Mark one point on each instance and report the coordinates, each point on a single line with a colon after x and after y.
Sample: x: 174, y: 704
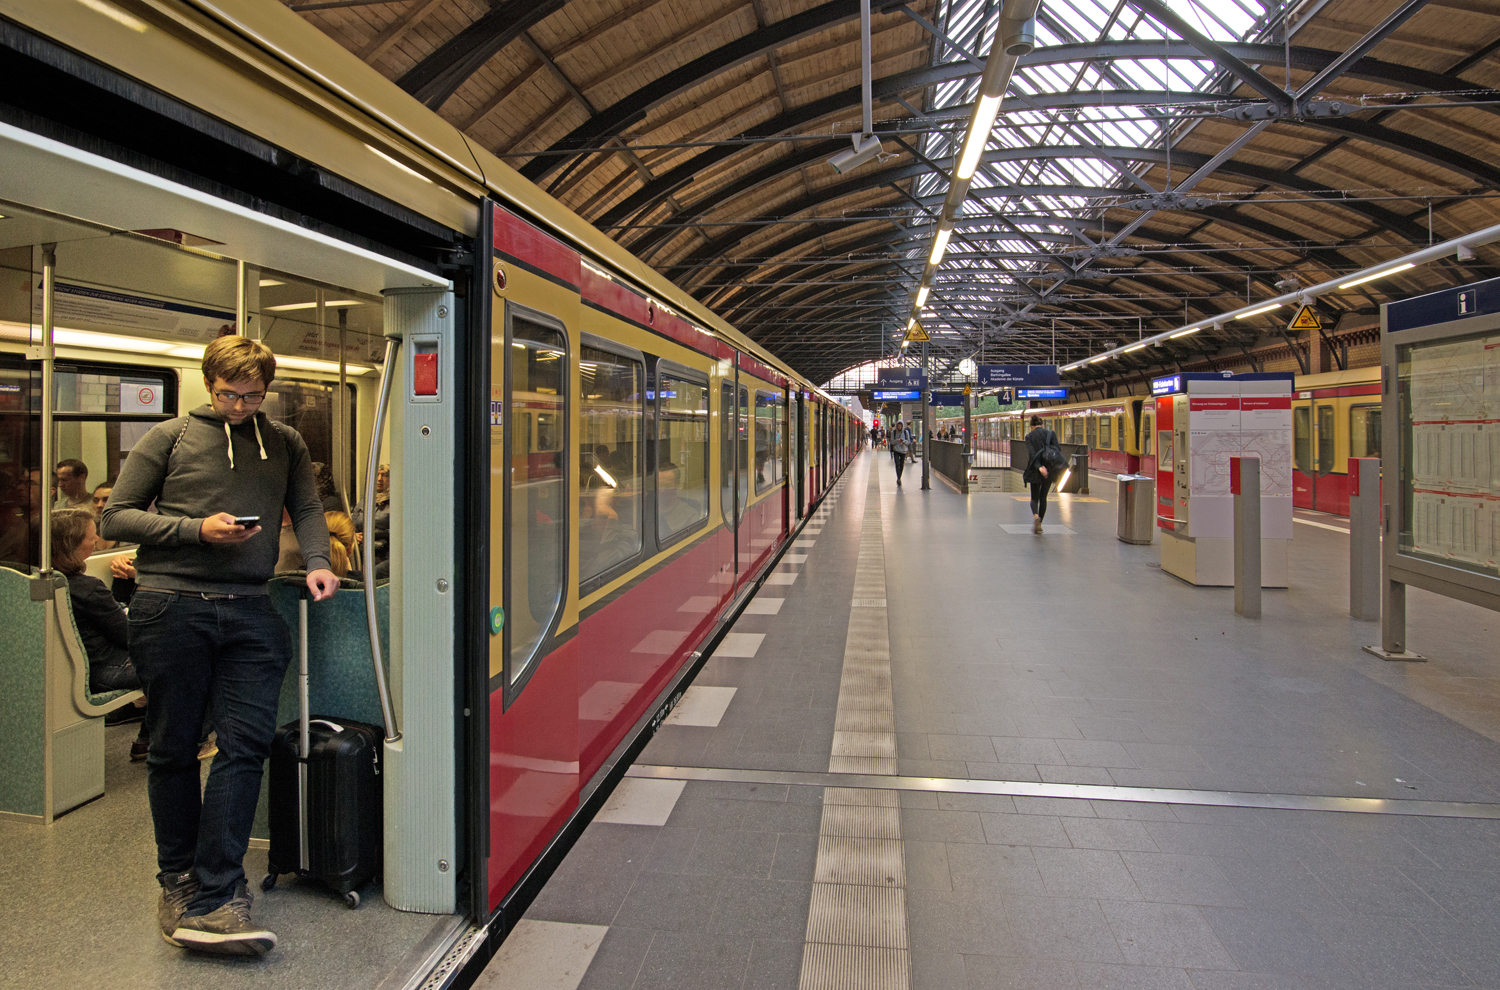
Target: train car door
x: 801, y: 455
x: 1324, y: 486
x: 532, y: 613
x: 1304, y: 471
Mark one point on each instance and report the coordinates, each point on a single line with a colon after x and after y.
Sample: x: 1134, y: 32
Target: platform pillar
x: 1364, y: 537
x: 1244, y: 484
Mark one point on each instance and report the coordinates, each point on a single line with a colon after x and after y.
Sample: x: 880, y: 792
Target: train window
x: 681, y: 455
x: 1120, y: 432
x: 726, y: 452
x: 1104, y: 431
x: 768, y: 456
x: 101, y: 411
x: 1325, y: 439
x: 1091, y: 432
x: 538, y: 486
x: 1302, y: 438
x: 309, y: 407
x: 1364, y: 431
x: 609, y: 459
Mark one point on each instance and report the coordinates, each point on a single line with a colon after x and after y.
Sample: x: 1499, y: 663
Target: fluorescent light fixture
x: 265, y: 282
x: 1066, y: 475
x: 939, y: 245
x: 193, y: 352
x: 979, y: 135
x: 1102, y: 357
x: 1257, y: 312
x: 1184, y: 333
x: 605, y: 475
x: 312, y: 364
x: 1135, y: 347
x: 327, y: 304
x: 922, y: 295
x: 1380, y: 274
x: 904, y: 343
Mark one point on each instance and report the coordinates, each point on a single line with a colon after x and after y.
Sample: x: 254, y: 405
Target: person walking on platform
x: 900, y: 447
x: 204, y: 634
x: 1042, y: 448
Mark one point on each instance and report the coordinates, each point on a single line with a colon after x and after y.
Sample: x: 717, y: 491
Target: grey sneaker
x: 176, y: 891
x: 226, y: 931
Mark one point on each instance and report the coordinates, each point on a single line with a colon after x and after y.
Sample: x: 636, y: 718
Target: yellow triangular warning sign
x: 916, y: 334
x: 1306, y: 319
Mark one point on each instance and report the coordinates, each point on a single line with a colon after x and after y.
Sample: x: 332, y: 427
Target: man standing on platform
x: 204, y: 634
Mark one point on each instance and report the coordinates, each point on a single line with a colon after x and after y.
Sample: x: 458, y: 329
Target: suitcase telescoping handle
x: 387, y: 370
x: 304, y: 733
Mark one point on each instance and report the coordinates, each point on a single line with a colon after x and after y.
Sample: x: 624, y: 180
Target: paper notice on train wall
x: 83, y: 307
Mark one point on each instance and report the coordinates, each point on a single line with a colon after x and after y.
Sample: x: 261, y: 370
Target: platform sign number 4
x: 1468, y: 302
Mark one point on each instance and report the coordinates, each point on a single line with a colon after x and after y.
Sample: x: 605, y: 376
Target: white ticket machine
x: 1203, y: 420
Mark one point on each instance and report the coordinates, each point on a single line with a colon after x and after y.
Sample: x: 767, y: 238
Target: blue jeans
x: 194, y: 653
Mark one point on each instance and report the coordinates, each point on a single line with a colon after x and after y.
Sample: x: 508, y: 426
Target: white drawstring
x: 229, y: 439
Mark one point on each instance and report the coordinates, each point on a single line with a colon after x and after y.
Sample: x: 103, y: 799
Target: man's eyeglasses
x: 230, y: 398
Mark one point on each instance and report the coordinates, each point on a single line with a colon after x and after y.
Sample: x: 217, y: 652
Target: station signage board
x: 898, y: 395
x: 1023, y: 375
x: 946, y: 399
x: 904, y: 378
x: 1041, y: 393
x: 1166, y: 386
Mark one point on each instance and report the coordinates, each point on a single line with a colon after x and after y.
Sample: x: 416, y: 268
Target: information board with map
x: 1450, y: 421
x: 1233, y: 419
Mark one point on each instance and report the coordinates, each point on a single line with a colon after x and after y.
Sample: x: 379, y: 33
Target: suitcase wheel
x: 268, y: 882
x: 352, y: 899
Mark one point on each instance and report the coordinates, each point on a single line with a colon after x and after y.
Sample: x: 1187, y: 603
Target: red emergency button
x: 424, y: 374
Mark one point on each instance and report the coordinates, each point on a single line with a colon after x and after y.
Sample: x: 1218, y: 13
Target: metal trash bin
x: 1137, y: 509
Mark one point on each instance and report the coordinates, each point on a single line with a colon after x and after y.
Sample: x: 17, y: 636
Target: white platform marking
x: 543, y: 955
x: 741, y: 645
x: 781, y: 577
x: 661, y: 642
x: 698, y: 603
x: 1024, y: 529
x: 868, y: 603
x: 764, y: 605
x: 1309, y: 522
x: 794, y: 558
x: 804, y: 544
x: 703, y: 706
x: 634, y: 804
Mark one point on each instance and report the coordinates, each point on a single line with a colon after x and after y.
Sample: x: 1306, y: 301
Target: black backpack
x: 1052, y: 457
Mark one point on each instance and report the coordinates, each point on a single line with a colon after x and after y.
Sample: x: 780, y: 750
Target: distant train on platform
x: 1335, y: 416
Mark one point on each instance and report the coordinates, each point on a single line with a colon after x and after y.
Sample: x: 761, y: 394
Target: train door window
x: 1302, y: 438
x: 1091, y: 432
x: 537, y: 553
x: 742, y: 428
x: 726, y: 452
x: 768, y: 458
x: 609, y: 458
x: 1120, y: 432
x: 681, y: 453
x: 1364, y: 431
x: 1325, y: 439
x: 309, y: 407
x: 1104, y: 431
x: 1147, y: 437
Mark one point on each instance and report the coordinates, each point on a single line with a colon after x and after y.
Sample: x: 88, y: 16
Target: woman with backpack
x: 1043, y: 448
x: 900, y: 446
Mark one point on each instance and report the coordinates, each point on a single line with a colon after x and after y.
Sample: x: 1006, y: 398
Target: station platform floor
x: 940, y: 753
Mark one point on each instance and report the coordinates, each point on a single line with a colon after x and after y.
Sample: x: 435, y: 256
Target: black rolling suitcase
x: 325, y: 796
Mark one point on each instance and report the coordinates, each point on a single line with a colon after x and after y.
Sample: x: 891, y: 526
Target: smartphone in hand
x: 249, y: 522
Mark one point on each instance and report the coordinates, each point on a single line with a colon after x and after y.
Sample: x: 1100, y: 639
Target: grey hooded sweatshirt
x: 197, y: 465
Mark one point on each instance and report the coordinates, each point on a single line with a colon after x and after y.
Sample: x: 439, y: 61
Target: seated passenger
x: 102, y: 626
x: 382, y: 520
x: 72, y: 484
x: 289, y: 554
x: 101, y: 499
x: 343, y: 544
x: 328, y: 492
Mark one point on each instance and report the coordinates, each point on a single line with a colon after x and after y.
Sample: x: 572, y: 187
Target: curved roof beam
x: 614, y: 119
x: 1377, y: 216
x: 1310, y: 59
x: 439, y: 75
